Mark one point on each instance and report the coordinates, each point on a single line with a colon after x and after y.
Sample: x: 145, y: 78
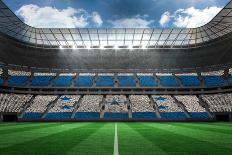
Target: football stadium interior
x: 143, y: 86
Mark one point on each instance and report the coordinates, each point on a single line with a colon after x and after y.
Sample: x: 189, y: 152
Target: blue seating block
x: 147, y: 81
x: 116, y: 115
x: 33, y: 115
x: 87, y: 115
x: 104, y: 81
x: 126, y: 81
x: 213, y: 81
x: 144, y: 115
x: 169, y: 81
x: 230, y: 80
x: 84, y: 81
x: 18, y: 80
x: 1, y: 81
x: 63, y: 81
x: 41, y: 80
x: 190, y: 80
x: 202, y: 115
x: 51, y: 115
x: 172, y: 115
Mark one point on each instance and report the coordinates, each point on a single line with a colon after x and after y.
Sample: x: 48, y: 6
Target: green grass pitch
x: 98, y: 138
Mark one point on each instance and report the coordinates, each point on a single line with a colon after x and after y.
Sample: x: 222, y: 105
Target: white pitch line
x: 116, y: 140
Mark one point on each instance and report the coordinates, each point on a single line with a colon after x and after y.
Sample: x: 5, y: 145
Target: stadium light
x: 144, y: 47
x: 61, y: 47
x: 130, y: 47
x: 102, y: 47
x: 88, y: 47
x: 74, y: 47
x: 115, y: 47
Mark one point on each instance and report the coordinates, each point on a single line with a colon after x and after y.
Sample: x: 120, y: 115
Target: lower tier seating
x: 1, y: 81
x: 169, y: 81
x: 147, y: 81
x: 189, y: 81
x: 172, y: 115
x: 126, y: 81
x: 116, y: 115
x: 61, y: 115
x: 84, y: 81
x: 41, y: 80
x: 63, y: 81
x: 87, y: 115
x: 104, y: 81
x: 145, y: 115
x: 33, y: 115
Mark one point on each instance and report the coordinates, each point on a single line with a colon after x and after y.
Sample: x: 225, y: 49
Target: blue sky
x: 116, y: 13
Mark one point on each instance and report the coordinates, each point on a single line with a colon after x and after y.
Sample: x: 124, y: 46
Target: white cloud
x: 190, y: 17
x: 135, y: 22
x: 51, y: 17
x: 165, y: 18
x: 97, y: 18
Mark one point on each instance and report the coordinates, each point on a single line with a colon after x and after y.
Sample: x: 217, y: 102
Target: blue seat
x: 172, y: 115
x: 190, y: 80
x: 54, y: 115
x: 41, y: 80
x: 213, y: 81
x: 87, y: 115
x: 201, y: 115
x: 230, y: 80
x: 144, y: 115
x: 126, y: 81
x: 18, y: 80
x: 1, y: 81
x: 116, y: 115
x: 32, y: 115
x: 84, y: 81
x: 147, y: 81
x: 63, y: 81
x: 104, y: 81
x: 169, y: 81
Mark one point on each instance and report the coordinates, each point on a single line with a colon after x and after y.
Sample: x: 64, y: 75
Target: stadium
x: 115, y: 90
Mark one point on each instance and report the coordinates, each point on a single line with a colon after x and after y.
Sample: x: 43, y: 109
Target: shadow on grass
x: 55, y: 144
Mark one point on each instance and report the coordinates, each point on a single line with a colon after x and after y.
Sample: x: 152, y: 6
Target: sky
x: 116, y: 13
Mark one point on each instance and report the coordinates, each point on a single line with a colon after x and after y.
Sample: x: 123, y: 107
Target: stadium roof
x: 101, y: 38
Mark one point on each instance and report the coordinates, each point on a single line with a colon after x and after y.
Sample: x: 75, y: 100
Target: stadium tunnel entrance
x: 9, y: 117
x: 225, y: 117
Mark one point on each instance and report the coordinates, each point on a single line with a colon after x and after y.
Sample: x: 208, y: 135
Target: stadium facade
x: 115, y: 74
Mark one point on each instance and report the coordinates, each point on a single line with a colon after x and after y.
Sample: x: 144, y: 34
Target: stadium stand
x: 103, y: 80
x: 189, y: 79
x: 89, y: 107
x: 192, y: 105
x: 12, y: 102
x: 213, y: 79
x: 84, y: 80
x: 126, y: 80
x: 141, y: 107
x: 219, y: 102
x: 64, y: 107
x: 116, y: 107
x: 42, y: 79
x: 63, y: 80
x: 168, y: 80
x: 147, y: 80
x: 39, y: 106
x: 167, y: 107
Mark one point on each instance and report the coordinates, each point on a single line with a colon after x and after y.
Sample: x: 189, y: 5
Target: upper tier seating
x: 168, y: 81
x: 104, y: 81
x: 167, y: 107
x: 63, y: 81
x: 41, y: 80
x: 126, y: 81
x: 219, y: 102
x: 189, y: 80
x: 18, y: 80
x: 1, y: 81
x: 230, y: 80
x: 141, y: 107
x: 147, y: 81
x: 84, y: 81
x: 64, y: 107
x: 213, y: 81
x: 89, y: 107
x: 192, y: 105
x: 12, y: 102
